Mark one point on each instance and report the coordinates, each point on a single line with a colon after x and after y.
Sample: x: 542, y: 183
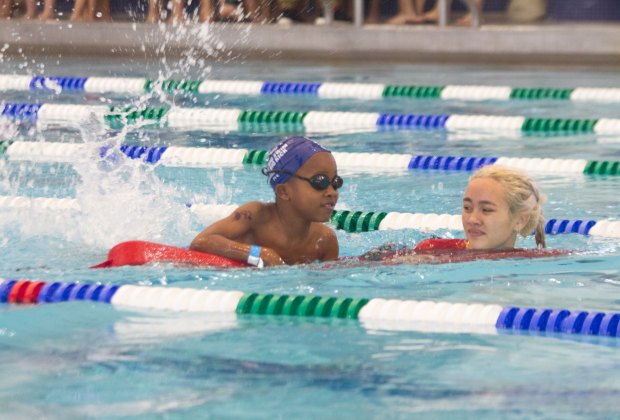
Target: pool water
x: 86, y: 359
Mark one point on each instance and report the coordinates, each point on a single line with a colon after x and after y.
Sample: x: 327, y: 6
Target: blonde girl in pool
x: 498, y: 204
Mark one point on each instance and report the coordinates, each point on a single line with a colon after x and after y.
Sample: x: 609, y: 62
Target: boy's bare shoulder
x: 324, y: 234
x: 324, y: 229
x: 255, y: 211
x: 326, y: 242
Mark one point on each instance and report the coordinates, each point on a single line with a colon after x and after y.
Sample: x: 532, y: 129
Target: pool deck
x: 567, y: 43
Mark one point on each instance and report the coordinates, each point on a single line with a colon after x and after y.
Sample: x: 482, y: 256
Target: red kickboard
x: 142, y: 252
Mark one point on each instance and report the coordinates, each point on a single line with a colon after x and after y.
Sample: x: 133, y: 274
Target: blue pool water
x: 83, y: 359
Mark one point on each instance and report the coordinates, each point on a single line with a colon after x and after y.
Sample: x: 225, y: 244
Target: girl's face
x: 487, y: 221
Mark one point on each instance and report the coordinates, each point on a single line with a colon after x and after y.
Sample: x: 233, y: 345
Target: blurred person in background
x: 409, y: 12
x: 89, y: 10
x: 432, y: 16
x: 156, y: 11
x: 259, y: 11
x: 26, y: 9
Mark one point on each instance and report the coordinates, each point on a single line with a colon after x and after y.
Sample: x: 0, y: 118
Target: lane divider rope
x: 231, y: 119
x: 347, y: 220
x: 61, y: 84
x: 404, y: 313
x: 205, y: 157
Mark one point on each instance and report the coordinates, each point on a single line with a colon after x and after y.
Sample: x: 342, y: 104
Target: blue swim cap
x: 289, y: 155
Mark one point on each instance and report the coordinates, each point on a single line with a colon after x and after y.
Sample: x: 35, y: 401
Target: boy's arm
x: 225, y: 236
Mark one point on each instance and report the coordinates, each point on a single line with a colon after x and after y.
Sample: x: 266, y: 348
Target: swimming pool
x: 80, y: 359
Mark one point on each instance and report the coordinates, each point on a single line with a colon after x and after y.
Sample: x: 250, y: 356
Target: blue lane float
x: 21, y: 112
x: 450, y: 163
x: 559, y: 321
x: 279, y: 88
x: 5, y: 289
x: 71, y: 84
x: 509, y: 318
x: 412, y: 120
x: 351, y: 220
x: 362, y: 91
x: 147, y: 154
x: 420, y: 162
x: 228, y: 119
x: 555, y: 226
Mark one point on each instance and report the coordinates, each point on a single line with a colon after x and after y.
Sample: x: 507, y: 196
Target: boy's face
x: 315, y: 205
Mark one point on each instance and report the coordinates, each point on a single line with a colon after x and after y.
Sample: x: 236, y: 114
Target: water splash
x: 119, y: 199
x: 8, y: 131
x: 122, y: 198
x: 192, y: 46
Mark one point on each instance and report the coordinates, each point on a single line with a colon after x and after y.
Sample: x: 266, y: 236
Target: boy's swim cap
x: 288, y: 156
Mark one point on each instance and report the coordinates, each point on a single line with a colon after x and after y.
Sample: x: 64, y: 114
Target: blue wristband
x: 254, y: 256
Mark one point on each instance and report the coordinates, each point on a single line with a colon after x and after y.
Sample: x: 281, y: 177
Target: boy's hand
x: 270, y: 257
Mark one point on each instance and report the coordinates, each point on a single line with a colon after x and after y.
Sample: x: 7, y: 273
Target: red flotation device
x: 441, y: 251
x: 429, y: 251
x: 438, y: 244
x: 142, y: 252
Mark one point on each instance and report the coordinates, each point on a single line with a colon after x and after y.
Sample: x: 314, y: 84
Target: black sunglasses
x: 319, y: 182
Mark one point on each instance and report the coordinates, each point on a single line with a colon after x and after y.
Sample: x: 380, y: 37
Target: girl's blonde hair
x: 522, y: 196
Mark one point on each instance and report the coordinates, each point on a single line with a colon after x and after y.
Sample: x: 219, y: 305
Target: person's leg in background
x: 374, y: 12
x: 178, y: 11
x: 6, y: 9
x: 31, y: 9
x: 102, y: 10
x: 155, y: 11
x: 206, y: 12
x: 433, y: 14
x: 466, y: 19
x: 407, y: 13
x: 48, y: 13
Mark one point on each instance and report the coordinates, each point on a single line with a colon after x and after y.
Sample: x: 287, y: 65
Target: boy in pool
x: 499, y: 203
x: 290, y: 230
